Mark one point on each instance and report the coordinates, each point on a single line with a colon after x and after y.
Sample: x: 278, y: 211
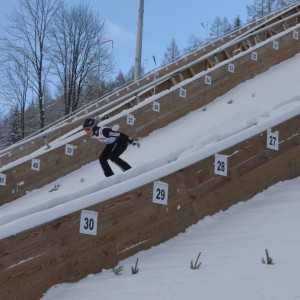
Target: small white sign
x: 156, y: 106
x: 231, y: 68
x: 88, y: 222
x: 69, y: 150
x: 221, y: 164
x: 207, y: 79
x: 254, y: 55
x: 273, y: 140
x: 2, y: 179
x: 182, y: 92
x: 275, y: 45
x: 35, y: 164
x: 160, y: 192
x: 295, y: 35
x: 130, y: 119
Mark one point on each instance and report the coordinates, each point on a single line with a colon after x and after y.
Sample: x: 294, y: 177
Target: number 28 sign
x: 160, y: 192
x: 221, y: 164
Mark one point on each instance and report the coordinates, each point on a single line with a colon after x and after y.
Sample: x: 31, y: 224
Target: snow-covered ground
x: 232, y: 243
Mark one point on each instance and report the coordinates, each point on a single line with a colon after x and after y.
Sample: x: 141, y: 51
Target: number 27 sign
x: 160, y: 192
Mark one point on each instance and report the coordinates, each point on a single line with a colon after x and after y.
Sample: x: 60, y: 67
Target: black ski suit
x: 116, y: 143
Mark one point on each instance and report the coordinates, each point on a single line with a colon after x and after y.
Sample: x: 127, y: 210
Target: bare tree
x: 120, y: 79
x: 261, y: 8
x: 220, y: 27
x: 193, y: 44
x: 216, y: 28
x: 226, y: 26
x: 172, y: 53
x: 79, y: 51
x: 15, y: 86
x: 27, y: 36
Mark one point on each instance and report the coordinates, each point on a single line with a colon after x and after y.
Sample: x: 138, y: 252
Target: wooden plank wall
x: 55, y: 252
x: 55, y: 164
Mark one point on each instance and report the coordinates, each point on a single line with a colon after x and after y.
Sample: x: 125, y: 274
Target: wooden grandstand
x: 55, y: 252
x: 211, y: 61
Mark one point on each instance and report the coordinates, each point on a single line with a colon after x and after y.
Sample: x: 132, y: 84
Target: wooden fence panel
x: 56, y: 252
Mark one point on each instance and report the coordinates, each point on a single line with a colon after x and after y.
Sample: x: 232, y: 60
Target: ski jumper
x: 116, y: 143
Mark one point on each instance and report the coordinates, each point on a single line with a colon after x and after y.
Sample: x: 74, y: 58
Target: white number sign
x: 2, y: 179
x: 295, y: 35
x: 156, y: 106
x: 273, y: 140
x: 130, y: 119
x: 254, y: 55
x: 160, y: 192
x: 35, y: 164
x: 69, y: 150
x: 88, y: 222
x: 231, y: 68
x: 275, y: 45
x: 207, y: 79
x: 221, y: 164
x: 182, y: 92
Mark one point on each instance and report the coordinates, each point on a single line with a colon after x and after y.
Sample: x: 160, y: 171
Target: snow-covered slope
x: 250, y: 108
x: 232, y: 245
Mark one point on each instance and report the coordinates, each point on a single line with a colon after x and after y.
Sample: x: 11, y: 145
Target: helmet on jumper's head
x: 90, y: 123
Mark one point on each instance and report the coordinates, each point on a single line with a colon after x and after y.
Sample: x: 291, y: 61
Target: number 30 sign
x: 88, y: 222
x: 160, y: 192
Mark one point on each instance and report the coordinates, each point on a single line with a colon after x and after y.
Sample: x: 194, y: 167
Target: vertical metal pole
x: 139, y: 37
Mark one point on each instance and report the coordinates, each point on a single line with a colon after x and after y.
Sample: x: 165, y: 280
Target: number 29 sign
x: 160, y: 192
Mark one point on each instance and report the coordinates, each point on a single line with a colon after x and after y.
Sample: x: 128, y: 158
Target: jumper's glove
x: 134, y: 143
